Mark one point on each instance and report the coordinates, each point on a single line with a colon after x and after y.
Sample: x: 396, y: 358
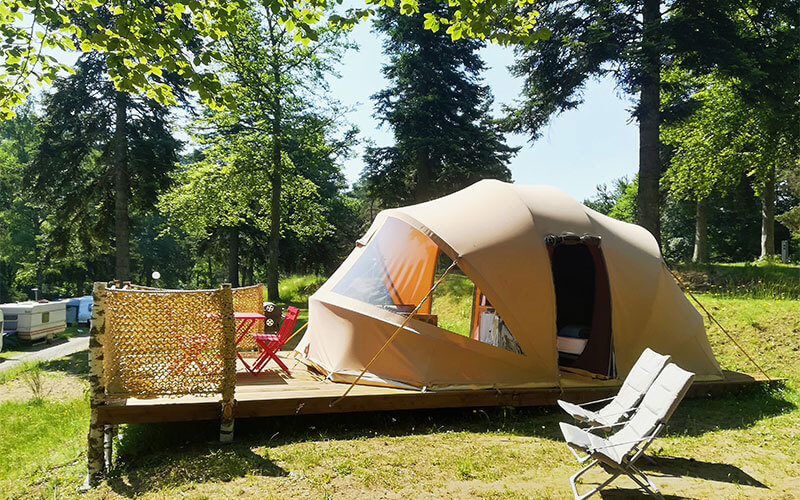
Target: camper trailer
x: 79, y: 310
x: 35, y: 320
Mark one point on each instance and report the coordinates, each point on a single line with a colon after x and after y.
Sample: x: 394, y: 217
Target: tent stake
x: 398, y: 330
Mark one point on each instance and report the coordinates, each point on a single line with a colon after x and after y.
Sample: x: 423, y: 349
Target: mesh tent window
x: 396, y: 271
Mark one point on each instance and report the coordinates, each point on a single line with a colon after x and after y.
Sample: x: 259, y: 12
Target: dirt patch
x: 54, y: 387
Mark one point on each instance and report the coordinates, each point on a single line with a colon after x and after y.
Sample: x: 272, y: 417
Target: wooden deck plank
x: 276, y: 394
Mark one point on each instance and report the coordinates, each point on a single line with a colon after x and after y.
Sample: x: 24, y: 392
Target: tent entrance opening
x: 583, y: 305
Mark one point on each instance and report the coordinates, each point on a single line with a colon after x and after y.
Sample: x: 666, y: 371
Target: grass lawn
x: 737, y: 446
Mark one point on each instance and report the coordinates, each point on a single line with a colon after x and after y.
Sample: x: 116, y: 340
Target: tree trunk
x: 121, y: 188
x: 701, y: 233
x: 647, y: 204
x: 247, y: 273
x: 233, y: 257
x: 37, y: 254
x: 422, y: 190
x: 768, y: 215
x: 275, y: 203
x: 210, y: 274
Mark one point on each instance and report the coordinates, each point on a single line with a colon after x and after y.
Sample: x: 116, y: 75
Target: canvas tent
x: 577, y: 291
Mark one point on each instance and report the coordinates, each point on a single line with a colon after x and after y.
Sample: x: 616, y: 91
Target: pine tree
x: 438, y: 109
x: 593, y: 38
x: 76, y: 170
x: 754, y: 41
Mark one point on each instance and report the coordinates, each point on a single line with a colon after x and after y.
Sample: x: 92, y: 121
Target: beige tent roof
x: 499, y: 231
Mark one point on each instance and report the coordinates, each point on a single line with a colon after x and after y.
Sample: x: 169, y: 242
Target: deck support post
x: 228, y: 351
x: 97, y: 396
x: 109, y: 433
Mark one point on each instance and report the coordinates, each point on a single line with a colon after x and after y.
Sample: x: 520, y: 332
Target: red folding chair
x: 271, y: 343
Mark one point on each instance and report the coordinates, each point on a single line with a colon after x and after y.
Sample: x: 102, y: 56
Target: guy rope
x: 714, y: 320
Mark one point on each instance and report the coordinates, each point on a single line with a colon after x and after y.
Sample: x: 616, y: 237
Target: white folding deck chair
x: 639, y: 379
x: 618, y: 453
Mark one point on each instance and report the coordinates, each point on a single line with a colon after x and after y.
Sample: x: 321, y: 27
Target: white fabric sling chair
x: 639, y: 379
x: 618, y: 453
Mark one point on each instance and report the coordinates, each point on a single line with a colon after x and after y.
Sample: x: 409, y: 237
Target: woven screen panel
x: 249, y: 299
x: 163, y: 343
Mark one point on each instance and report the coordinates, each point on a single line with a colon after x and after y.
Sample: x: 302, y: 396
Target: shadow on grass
x: 688, y: 467
x: 626, y: 493
x: 14, y: 344
x: 76, y: 363
x: 693, y: 418
x: 157, y: 456
x: 733, y: 411
x: 154, y: 456
x: 683, y: 467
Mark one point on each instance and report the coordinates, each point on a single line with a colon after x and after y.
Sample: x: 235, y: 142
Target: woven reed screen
x: 249, y: 299
x: 164, y: 343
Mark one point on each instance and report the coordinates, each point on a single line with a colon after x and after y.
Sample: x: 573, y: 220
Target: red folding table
x: 244, y: 322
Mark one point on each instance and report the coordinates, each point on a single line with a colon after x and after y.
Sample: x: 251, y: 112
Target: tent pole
x: 398, y: 330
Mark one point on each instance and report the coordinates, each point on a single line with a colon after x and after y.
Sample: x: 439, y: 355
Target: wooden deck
x: 273, y: 393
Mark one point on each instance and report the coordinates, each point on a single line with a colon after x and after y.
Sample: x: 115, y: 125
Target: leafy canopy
x: 145, y: 39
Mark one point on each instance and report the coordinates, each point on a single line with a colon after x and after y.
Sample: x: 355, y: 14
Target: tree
x: 593, y: 38
x: 280, y: 93
x: 257, y: 57
x: 755, y: 41
x: 268, y: 156
x: 220, y: 194
x: 714, y: 141
x: 619, y: 202
x: 20, y: 217
x: 145, y: 39
x: 445, y: 138
x: 755, y: 47
x: 791, y: 218
x: 95, y: 149
x: 317, y: 151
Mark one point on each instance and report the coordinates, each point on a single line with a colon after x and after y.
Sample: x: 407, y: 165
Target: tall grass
x: 297, y: 288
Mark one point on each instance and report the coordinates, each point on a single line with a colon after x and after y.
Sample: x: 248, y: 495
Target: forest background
x: 212, y: 162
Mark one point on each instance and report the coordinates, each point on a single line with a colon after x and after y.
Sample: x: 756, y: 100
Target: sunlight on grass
x: 452, y: 303
x: 41, y: 441
x: 296, y: 288
x: 744, y: 280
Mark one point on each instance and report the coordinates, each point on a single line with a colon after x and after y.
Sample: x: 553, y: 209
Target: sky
x: 578, y: 150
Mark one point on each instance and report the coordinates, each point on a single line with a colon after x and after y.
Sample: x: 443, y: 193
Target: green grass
x: 736, y: 446
x: 41, y: 445
x: 452, y: 303
x: 751, y: 280
x: 296, y: 288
